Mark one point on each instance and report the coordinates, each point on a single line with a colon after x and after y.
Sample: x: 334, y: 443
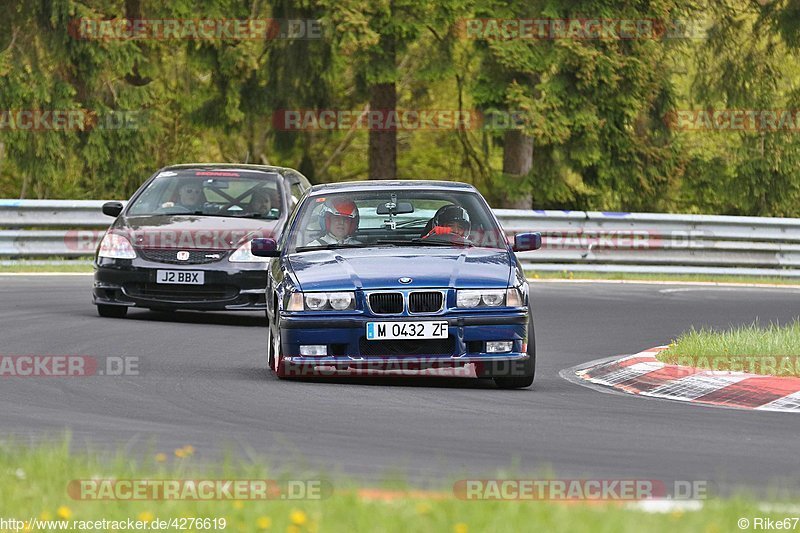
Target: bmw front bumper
x: 348, y: 349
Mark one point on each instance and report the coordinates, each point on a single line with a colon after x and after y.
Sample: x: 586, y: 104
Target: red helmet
x: 340, y: 207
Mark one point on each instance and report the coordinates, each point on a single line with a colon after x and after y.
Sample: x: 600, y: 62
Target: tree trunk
x: 23, y: 193
x: 133, y: 11
x: 382, y: 141
x: 517, y: 164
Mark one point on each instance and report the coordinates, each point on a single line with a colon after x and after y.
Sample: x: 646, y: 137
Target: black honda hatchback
x: 183, y: 239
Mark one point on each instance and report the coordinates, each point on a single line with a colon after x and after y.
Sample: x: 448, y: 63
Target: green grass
x: 628, y: 276
x: 24, y: 268
x: 34, y: 482
x: 771, y: 350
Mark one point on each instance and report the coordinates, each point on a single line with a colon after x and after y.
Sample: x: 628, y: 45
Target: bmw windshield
x: 211, y: 193
x: 358, y: 219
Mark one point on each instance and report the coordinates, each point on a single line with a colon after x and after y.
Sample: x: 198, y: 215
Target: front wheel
x: 270, y: 348
x: 276, y: 355
x: 522, y: 381
x: 112, y: 311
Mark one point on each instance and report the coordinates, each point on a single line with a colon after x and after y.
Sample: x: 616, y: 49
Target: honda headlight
x: 116, y: 246
x: 244, y: 254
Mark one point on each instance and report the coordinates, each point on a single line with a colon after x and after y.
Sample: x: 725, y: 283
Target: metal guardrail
x: 53, y: 214
x: 28, y: 228
x: 659, y: 243
x: 572, y: 240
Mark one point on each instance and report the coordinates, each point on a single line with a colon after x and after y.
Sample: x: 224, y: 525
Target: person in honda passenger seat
x: 260, y: 203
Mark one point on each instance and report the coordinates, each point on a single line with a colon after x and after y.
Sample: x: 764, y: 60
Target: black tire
x: 524, y: 378
x: 112, y: 311
x: 270, y: 348
x: 276, y: 356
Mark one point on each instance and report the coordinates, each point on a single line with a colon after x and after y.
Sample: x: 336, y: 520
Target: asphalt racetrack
x: 203, y: 382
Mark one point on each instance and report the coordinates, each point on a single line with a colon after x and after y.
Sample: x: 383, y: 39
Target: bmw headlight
x: 341, y: 301
x: 488, y: 297
x: 116, y: 246
x: 316, y: 301
x: 322, y: 301
x: 468, y: 298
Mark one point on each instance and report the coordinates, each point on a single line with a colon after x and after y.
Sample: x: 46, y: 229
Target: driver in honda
x: 340, y: 220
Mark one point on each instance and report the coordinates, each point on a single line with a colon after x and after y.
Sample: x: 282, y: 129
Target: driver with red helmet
x: 339, y: 218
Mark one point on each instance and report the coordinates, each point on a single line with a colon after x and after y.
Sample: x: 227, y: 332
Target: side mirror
x: 112, y: 209
x: 525, y: 242
x: 264, y: 247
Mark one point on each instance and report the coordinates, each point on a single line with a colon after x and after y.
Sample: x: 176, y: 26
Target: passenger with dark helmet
x: 450, y: 220
x: 339, y: 218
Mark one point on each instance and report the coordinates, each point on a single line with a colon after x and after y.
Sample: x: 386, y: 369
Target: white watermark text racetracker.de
x: 199, y: 489
x: 579, y: 489
x: 61, y: 366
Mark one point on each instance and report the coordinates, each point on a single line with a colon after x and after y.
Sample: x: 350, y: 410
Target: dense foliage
x: 559, y: 123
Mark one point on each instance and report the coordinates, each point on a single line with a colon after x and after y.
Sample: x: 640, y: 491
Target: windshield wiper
x: 419, y: 241
x: 327, y: 247
x: 433, y: 241
x: 262, y: 217
x: 412, y: 222
x: 394, y: 242
x: 173, y: 214
x: 220, y: 215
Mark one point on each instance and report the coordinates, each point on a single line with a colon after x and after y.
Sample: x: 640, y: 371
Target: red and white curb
x: 643, y: 375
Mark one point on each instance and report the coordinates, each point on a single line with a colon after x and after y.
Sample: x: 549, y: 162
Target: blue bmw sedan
x: 388, y: 277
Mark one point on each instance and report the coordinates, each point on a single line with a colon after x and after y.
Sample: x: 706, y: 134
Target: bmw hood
x: 382, y: 268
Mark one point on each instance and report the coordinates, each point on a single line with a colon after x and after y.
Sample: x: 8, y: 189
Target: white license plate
x: 406, y: 330
x: 181, y: 277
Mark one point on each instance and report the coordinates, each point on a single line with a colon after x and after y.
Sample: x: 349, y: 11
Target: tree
x: 744, y: 69
x: 592, y: 108
x: 376, y: 35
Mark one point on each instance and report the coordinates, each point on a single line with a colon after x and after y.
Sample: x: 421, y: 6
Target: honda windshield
x: 226, y: 193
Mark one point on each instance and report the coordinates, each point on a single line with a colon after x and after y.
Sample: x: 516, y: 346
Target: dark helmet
x: 453, y: 213
x: 340, y: 207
